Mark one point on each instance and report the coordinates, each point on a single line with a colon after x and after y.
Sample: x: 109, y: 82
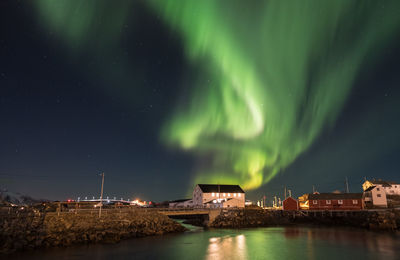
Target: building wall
x: 290, y: 204
x: 234, y: 203
x: 239, y: 198
x: 378, y: 196
x: 215, y: 195
x: 182, y: 204
x: 393, y: 190
x: 197, y: 197
x: 347, y: 204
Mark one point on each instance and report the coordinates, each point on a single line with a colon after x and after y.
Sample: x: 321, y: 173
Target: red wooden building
x: 290, y: 204
x: 331, y: 201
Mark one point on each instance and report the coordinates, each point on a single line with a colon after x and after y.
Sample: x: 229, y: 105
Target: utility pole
x: 347, y: 186
x: 313, y: 189
x: 101, y: 194
x: 264, y: 200
x: 285, y: 191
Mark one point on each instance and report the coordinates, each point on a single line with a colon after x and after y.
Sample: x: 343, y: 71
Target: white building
x: 375, y: 196
x: 390, y: 187
x: 184, y: 203
x: 218, y: 196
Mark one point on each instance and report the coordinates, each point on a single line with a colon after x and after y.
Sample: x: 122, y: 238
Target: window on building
x: 395, y: 186
x: 340, y: 202
x: 224, y: 194
x: 234, y: 194
x: 239, y: 195
x: 355, y: 201
x: 377, y: 189
x: 315, y: 201
x: 392, y: 191
x: 379, y: 195
x: 229, y: 194
x: 328, y: 202
x: 217, y: 194
x: 213, y: 194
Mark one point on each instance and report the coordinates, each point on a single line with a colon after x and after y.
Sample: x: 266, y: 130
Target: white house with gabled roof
x: 390, y: 187
x: 218, y: 196
x: 375, y: 196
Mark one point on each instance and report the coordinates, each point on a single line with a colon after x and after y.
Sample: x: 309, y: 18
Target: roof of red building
x: 290, y: 198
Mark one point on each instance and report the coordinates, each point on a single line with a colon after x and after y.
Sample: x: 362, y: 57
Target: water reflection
x: 257, y: 243
x: 227, y: 247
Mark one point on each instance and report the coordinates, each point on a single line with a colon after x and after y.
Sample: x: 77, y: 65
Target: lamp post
x: 101, y: 194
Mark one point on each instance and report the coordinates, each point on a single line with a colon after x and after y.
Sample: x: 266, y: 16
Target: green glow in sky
x: 270, y: 75
x: 274, y: 75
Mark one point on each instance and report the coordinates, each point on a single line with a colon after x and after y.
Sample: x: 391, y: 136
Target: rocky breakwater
x: 388, y: 220
x: 47, y: 230
x: 243, y: 218
x: 384, y: 220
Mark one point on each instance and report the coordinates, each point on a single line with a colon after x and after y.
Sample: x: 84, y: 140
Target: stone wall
x: 374, y: 220
x: 27, y: 230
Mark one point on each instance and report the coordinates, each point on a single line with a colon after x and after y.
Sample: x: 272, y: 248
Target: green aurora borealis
x: 271, y: 76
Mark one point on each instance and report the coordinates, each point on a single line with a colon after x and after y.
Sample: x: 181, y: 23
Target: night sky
x: 161, y: 95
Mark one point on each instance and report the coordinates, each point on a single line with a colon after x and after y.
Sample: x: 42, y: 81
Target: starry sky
x: 161, y: 95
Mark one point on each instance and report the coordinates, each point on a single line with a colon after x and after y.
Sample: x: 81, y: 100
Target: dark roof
x: 334, y: 196
x: 384, y: 183
x: 370, y: 188
x: 182, y: 200
x: 207, y: 188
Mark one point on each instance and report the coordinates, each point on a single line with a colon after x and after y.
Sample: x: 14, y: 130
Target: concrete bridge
x: 210, y: 214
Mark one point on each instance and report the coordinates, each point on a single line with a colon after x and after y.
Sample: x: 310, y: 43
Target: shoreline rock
x: 387, y: 220
x: 37, y: 230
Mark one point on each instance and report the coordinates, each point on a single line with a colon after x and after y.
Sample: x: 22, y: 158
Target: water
x: 257, y: 243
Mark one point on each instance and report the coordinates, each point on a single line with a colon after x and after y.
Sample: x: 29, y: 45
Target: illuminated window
x: 224, y: 195
x: 239, y: 195
x: 234, y: 194
x: 217, y: 194
x: 229, y: 194
x: 328, y: 202
x: 340, y: 201
x: 213, y: 194
x: 355, y: 201
x: 315, y: 201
